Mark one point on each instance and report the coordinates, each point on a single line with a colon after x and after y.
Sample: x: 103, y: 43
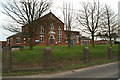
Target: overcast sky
x: 57, y: 10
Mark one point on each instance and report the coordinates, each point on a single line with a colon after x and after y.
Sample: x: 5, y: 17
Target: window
x: 66, y: 39
x: 24, y: 40
x: 59, y: 34
x: 41, y: 35
x: 8, y: 40
x: 51, y: 26
x: 41, y: 30
x: 59, y: 31
x: 59, y: 38
x: 77, y: 38
x: 41, y: 38
x: 51, y: 16
x: 27, y: 40
x: 18, y: 40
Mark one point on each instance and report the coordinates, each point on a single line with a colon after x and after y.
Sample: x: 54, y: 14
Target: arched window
x: 51, y: 26
x: 51, y: 37
x: 41, y: 30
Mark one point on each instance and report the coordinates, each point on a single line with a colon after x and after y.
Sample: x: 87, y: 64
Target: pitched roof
x: 18, y: 34
x: 50, y: 13
x: 85, y: 38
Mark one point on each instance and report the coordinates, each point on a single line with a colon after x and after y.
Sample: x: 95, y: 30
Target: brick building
x: 50, y: 31
x: 85, y: 40
x: 101, y: 42
x: 3, y: 43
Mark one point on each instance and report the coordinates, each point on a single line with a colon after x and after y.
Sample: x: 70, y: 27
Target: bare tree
x: 109, y: 22
x: 68, y: 15
x: 89, y: 17
x: 25, y: 14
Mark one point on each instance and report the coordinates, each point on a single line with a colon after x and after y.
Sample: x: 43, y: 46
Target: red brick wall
x: 47, y: 23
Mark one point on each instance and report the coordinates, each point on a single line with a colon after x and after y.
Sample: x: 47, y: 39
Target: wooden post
x: 110, y: 53
x: 6, y: 59
x: 47, y: 57
x: 86, y: 55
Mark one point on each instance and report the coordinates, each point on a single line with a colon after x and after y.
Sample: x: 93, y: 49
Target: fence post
x: 110, y: 53
x: 47, y: 57
x: 86, y: 55
x: 6, y: 59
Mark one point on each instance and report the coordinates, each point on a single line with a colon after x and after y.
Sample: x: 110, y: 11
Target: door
x: 85, y: 43
x: 72, y: 42
x: 51, y: 40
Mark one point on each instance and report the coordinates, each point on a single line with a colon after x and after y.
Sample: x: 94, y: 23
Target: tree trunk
x: 110, y: 41
x: 31, y: 43
x: 69, y: 45
x: 93, y: 42
x: 110, y: 38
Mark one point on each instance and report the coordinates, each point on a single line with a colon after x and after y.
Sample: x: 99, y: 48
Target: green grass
x: 66, y: 68
x: 76, y: 66
x: 61, y: 53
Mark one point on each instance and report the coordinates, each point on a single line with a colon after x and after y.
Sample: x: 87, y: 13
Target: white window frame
x: 77, y: 38
x: 41, y: 30
x: 8, y: 40
x: 41, y: 37
x: 59, y: 35
x: 59, y: 38
x: 51, y: 26
x: 66, y: 39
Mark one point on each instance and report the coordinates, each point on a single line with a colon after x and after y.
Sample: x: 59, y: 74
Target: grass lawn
x: 66, y: 68
x: 61, y: 53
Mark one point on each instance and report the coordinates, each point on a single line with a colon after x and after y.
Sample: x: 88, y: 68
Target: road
x: 109, y: 70
x: 103, y: 71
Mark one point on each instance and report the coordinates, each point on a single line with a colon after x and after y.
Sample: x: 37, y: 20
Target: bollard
x: 86, y: 55
x: 110, y: 53
x: 47, y: 57
x: 6, y: 59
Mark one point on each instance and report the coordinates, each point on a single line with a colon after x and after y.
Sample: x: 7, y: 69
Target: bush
x: 15, y: 46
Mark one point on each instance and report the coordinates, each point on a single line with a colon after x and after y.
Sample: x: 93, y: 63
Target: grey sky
x: 57, y: 10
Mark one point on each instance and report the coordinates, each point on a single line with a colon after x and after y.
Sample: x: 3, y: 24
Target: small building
x: 85, y: 40
x: 101, y: 42
x: 3, y: 43
x: 50, y: 31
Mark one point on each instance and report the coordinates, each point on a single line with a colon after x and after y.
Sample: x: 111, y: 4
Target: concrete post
x: 47, y: 57
x: 110, y: 53
x: 86, y: 55
x: 6, y: 59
